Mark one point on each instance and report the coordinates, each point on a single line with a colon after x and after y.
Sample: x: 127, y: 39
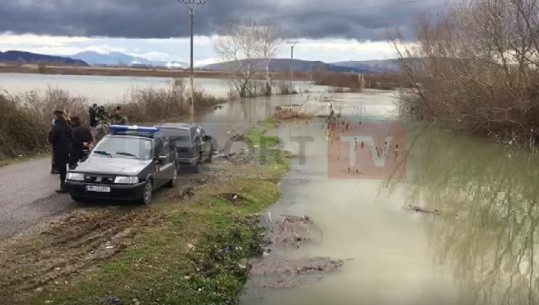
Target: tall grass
x: 25, y: 119
x: 155, y: 105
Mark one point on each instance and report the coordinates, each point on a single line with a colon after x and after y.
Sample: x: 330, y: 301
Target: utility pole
x: 191, y: 6
x: 292, y: 45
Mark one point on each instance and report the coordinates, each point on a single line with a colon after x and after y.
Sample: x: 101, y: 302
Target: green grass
x: 197, y: 255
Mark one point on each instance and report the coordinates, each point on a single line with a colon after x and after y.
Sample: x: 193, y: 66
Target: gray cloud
x: 362, y: 20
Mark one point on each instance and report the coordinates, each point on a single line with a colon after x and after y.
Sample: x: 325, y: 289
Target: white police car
x: 126, y: 165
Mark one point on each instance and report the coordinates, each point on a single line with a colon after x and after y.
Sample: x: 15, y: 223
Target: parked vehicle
x: 192, y: 145
x: 126, y: 165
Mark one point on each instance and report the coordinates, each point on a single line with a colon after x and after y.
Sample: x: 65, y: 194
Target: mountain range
x: 276, y: 64
x: 122, y: 59
x: 281, y: 64
x: 33, y: 58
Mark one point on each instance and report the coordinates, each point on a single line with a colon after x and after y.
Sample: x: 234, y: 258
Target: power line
x: 191, y: 5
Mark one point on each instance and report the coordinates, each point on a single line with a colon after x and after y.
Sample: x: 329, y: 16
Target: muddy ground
x: 284, y: 233
x: 70, y: 246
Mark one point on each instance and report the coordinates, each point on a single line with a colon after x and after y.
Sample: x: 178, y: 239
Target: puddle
x: 457, y: 227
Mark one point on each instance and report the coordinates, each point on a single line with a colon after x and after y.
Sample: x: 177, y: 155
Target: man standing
x: 60, y: 138
x: 93, y: 115
x: 81, y: 139
x: 118, y: 118
x: 54, y: 170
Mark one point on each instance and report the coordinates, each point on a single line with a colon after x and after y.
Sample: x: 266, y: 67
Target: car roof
x: 138, y: 136
x: 177, y: 125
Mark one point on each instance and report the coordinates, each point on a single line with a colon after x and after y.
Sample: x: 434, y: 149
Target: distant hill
x: 388, y: 65
x: 122, y: 59
x: 33, y: 58
x: 282, y: 64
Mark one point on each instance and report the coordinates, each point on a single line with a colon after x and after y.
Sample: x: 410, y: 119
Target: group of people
x: 71, y: 140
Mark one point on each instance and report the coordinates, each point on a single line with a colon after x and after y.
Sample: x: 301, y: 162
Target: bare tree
x: 477, y: 67
x: 242, y: 46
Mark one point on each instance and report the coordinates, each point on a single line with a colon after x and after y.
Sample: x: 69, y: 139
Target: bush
x: 352, y: 81
x: 476, y: 68
x: 26, y: 119
x: 155, y: 105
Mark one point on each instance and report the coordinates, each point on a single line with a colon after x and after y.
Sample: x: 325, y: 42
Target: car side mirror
x: 207, y: 138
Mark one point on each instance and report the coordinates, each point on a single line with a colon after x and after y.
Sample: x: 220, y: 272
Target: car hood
x: 112, y: 166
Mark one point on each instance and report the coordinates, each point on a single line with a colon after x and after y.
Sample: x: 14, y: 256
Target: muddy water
x: 110, y: 89
x: 472, y: 241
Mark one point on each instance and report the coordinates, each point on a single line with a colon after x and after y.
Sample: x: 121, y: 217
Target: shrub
x: 155, y: 105
x: 26, y: 119
x: 476, y: 68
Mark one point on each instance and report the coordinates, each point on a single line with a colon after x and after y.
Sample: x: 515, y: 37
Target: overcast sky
x: 328, y: 30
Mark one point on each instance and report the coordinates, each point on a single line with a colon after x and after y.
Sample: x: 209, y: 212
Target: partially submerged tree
x: 476, y: 67
x: 244, y: 46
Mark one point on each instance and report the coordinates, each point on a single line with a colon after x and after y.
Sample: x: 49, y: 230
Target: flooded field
x: 111, y: 89
x: 454, y: 222
x: 375, y: 210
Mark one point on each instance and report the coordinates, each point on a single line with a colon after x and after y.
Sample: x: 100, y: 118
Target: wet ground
x: 424, y: 216
x: 27, y: 196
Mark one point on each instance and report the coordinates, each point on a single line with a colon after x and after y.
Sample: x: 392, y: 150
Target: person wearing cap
x: 60, y: 138
x: 118, y: 118
x: 81, y: 139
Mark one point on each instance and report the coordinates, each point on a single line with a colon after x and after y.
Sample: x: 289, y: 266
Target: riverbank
x: 191, y: 247
x: 131, y: 71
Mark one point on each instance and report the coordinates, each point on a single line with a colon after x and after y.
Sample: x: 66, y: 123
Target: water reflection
x: 491, y: 245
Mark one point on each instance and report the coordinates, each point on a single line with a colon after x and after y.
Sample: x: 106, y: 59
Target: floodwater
x: 357, y: 184
x: 111, y: 89
x: 477, y: 247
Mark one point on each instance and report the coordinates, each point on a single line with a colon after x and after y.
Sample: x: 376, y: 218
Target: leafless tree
x: 242, y: 46
x: 476, y: 67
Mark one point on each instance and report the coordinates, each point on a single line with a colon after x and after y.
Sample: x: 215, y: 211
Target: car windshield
x: 124, y: 147
x: 177, y: 134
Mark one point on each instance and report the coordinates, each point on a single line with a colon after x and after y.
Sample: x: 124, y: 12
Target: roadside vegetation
x: 155, y: 105
x: 26, y: 118
x: 476, y: 68
x: 180, y: 250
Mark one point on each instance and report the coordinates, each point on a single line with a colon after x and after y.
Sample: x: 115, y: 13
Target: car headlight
x: 75, y: 176
x: 126, y: 180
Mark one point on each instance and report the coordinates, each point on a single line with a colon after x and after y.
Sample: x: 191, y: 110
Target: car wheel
x: 147, y: 194
x: 172, y: 182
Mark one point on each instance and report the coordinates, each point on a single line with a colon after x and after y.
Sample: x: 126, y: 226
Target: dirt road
x: 27, y: 194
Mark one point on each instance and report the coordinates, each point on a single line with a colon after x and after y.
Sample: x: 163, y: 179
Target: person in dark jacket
x: 93, y: 112
x: 60, y: 138
x: 81, y: 139
x: 54, y: 170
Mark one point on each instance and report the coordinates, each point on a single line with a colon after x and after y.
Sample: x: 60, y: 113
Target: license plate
x: 98, y: 189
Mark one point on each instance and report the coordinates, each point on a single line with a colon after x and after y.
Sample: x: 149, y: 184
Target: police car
x: 126, y: 165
